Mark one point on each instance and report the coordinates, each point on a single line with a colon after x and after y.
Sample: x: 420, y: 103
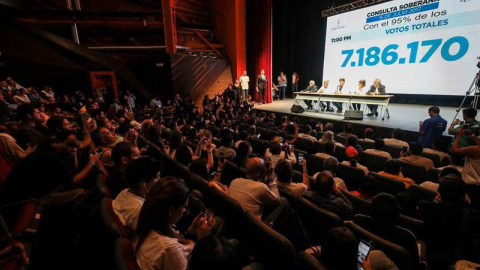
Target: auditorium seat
x: 268, y: 247
x: 124, y: 254
x: 340, y: 153
x: 102, y: 186
x: 304, y: 145
x: 200, y: 184
x: 397, y: 254
x: 417, y: 227
x: 373, y: 162
x: 228, y: 209
x: 341, y: 139
x: 419, y: 193
x: 366, y: 145
x: 314, y: 164
x: 315, y: 219
x: 433, y: 157
x: 231, y: 172
x: 307, y: 261
x: 360, y: 205
x: 257, y: 146
x: 393, y: 150
x: 415, y: 172
x: 297, y: 177
x: 351, y: 176
x: 387, y: 184
x: 318, y: 147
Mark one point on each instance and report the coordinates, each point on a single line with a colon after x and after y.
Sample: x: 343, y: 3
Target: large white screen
x: 427, y: 47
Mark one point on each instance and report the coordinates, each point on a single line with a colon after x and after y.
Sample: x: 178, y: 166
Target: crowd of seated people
x: 71, y: 154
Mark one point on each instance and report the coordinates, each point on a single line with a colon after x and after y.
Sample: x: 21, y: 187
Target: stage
x: 404, y: 116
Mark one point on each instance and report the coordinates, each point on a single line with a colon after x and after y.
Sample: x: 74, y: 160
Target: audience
x: 415, y: 157
x: 324, y: 193
x: 396, y: 140
x: 379, y: 144
x: 352, y: 155
x: 393, y: 170
x: 141, y: 175
x: 284, y: 173
x: 65, y: 140
x: 157, y: 244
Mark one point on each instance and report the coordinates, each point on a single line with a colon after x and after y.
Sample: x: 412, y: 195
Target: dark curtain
x: 259, y: 44
x: 298, y: 40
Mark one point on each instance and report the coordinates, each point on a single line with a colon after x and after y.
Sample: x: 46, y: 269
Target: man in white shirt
x: 257, y: 190
x: 396, y: 140
x: 379, y: 144
x: 141, y: 175
x: 244, y: 80
x: 325, y: 89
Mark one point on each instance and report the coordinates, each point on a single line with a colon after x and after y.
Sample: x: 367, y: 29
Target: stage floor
x: 404, y: 116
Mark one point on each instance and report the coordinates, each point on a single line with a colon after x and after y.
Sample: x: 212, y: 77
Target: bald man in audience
x: 257, y: 190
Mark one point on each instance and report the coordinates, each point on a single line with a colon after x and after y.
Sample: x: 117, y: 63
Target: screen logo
x: 338, y: 25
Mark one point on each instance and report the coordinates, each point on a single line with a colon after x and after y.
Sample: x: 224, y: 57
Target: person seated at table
x: 376, y: 89
x: 325, y: 89
x: 360, y: 91
x: 340, y: 86
x: 311, y: 88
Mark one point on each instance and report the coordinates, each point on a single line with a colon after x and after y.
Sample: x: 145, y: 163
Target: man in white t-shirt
x: 257, y: 190
x: 325, y: 89
x: 141, y: 175
x: 244, y: 80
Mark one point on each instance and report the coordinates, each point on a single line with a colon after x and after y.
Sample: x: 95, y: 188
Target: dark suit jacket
x: 261, y: 83
x: 381, y: 90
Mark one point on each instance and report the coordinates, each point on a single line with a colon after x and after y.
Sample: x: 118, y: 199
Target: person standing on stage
x: 432, y: 128
x: 376, y: 89
x: 244, y: 80
x: 262, y: 81
x: 311, y: 88
x: 325, y: 89
x: 339, y: 105
x: 238, y: 93
x: 282, y: 85
x: 359, y: 91
x: 295, y: 80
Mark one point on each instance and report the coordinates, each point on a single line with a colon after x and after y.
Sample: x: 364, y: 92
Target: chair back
x: 304, y: 145
x: 419, y: 193
x: 416, y: 172
x: 307, y: 261
x: 393, y: 150
x: 268, y: 247
x: 433, y: 157
x: 373, y: 162
x: 397, y: 254
x: 366, y: 145
x: 231, y: 172
x: 318, y: 147
x: 339, y: 153
x: 360, y: 206
x: 315, y: 219
x: 388, y: 185
x: 315, y: 164
x: 351, y: 176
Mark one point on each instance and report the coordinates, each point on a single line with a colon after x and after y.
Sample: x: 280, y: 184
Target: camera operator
x: 469, y: 124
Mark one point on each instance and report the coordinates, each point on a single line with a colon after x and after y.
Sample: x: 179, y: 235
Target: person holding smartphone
x: 342, y: 250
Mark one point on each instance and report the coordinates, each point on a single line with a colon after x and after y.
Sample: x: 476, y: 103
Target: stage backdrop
x: 427, y: 47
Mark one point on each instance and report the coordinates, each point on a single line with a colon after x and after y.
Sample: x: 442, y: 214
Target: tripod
x: 475, y: 88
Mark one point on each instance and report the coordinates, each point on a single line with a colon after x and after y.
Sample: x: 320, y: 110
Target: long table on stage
x: 381, y: 100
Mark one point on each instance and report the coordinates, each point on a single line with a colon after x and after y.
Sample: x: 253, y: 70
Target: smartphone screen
x: 98, y: 151
x: 363, y: 251
x: 300, y: 158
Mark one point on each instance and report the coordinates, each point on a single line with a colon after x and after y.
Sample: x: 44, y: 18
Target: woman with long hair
x: 157, y: 244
